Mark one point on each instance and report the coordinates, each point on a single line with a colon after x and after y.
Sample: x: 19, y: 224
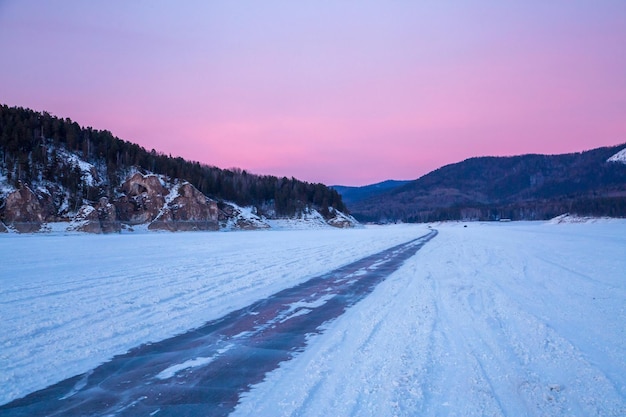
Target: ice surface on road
x: 69, y: 303
x: 516, y: 319
x: 192, y: 363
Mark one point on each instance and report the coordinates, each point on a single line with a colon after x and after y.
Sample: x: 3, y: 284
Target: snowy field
x: 68, y: 303
x: 492, y: 319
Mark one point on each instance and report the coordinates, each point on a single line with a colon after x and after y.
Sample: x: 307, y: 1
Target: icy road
x: 204, y: 371
x: 492, y: 319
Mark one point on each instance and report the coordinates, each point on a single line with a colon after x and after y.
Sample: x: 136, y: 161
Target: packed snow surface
x: 70, y: 302
x: 488, y: 319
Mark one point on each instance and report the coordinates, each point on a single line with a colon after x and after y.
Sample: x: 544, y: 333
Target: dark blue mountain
x: 350, y: 195
x: 524, y: 187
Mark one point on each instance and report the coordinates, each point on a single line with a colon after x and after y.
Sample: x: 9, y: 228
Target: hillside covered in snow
x: 55, y: 174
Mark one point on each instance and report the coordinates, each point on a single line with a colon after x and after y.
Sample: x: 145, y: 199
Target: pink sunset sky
x: 339, y: 92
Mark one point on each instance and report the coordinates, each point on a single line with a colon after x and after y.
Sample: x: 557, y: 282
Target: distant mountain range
x: 525, y: 187
x: 350, y: 195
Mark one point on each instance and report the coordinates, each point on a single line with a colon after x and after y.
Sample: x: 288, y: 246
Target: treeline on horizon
x: 533, y: 210
x: 30, y: 142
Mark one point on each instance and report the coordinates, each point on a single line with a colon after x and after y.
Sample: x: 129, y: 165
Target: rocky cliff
x: 150, y: 200
x: 24, y: 211
x: 101, y: 218
x: 143, y: 199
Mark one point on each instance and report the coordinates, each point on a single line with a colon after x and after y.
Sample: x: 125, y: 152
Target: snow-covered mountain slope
x: 619, y: 157
x: 52, y: 186
x: 78, y: 166
x: 89, y: 173
x: 489, y: 319
x: 143, y: 201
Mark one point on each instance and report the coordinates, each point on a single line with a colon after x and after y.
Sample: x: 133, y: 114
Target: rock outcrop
x: 186, y: 209
x: 107, y: 216
x: 142, y: 200
x: 99, y: 219
x: 151, y: 199
x: 341, y: 220
x: 234, y: 217
x: 86, y: 220
x: 23, y: 211
x: 156, y: 201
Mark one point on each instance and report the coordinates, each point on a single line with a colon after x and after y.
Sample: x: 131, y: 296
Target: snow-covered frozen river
x: 489, y: 319
x: 204, y: 371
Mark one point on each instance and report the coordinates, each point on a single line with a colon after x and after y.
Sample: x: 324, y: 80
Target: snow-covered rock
x: 142, y: 199
x: 165, y: 204
x: 23, y: 211
x: 234, y: 217
x: 99, y: 219
x: 185, y: 209
x: 341, y: 220
x: 86, y: 220
x: 309, y: 218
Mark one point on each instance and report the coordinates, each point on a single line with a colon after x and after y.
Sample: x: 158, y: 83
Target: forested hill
x: 524, y: 187
x: 31, y: 144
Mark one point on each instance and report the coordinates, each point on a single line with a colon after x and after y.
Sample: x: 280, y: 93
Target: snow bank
x: 573, y: 218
